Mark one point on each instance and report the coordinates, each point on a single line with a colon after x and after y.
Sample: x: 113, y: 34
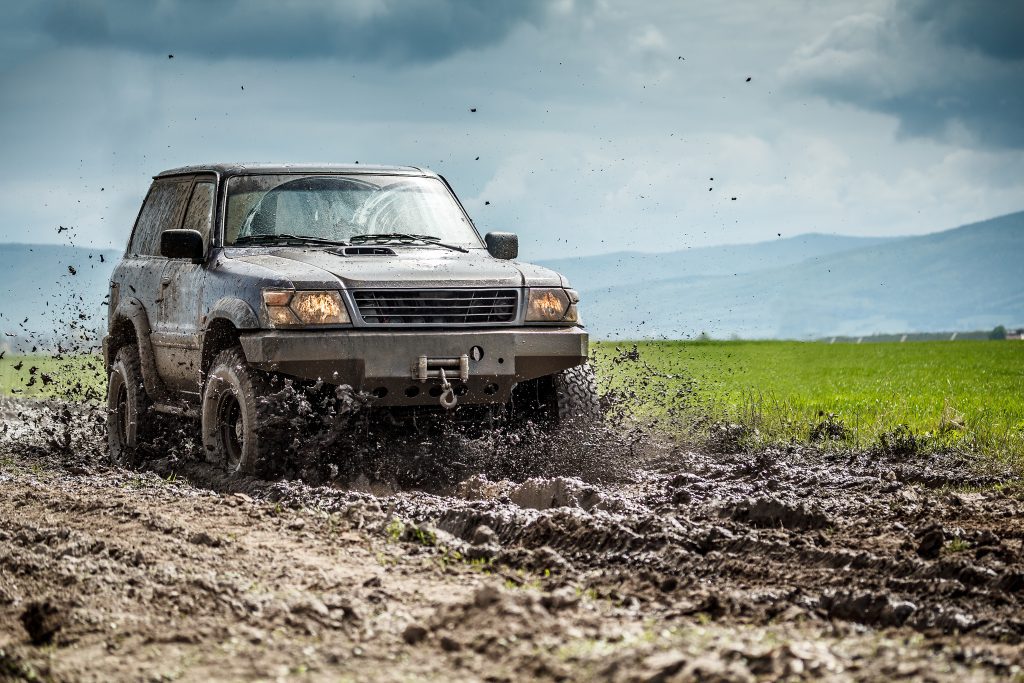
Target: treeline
x: 998, y: 333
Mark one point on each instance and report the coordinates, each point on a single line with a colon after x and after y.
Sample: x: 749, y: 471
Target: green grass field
x: 74, y: 377
x: 964, y: 395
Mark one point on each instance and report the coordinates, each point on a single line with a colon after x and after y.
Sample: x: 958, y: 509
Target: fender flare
x: 132, y: 310
x: 235, y: 311
x: 232, y: 310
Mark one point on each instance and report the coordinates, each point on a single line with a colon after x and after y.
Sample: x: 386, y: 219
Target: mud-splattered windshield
x: 339, y: 208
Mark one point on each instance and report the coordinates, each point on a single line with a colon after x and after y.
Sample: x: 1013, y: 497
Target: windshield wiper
x: 404, y: 237
x: 285, y: 237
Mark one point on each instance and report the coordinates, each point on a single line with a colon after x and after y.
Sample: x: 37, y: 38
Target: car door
x: 138, y: 275
x: 178, y: 351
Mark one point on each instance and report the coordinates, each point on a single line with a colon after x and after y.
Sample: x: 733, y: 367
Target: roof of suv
x: 243, y: 168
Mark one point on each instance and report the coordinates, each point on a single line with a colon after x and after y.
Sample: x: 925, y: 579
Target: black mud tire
x: 235, y: 432
x: 576, y: 395
x: 554, y: 400
x: 131, y: 421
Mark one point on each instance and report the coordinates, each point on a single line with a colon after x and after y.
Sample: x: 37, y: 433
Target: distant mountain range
x: 968, y: 278
x: 631, y: 267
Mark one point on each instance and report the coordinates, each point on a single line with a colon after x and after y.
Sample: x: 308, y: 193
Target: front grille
x: 436, y: 306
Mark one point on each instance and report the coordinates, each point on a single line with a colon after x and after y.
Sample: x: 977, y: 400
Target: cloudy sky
x: 599, y: 125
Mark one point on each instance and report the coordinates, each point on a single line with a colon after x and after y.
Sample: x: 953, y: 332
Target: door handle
x: 165, y: 281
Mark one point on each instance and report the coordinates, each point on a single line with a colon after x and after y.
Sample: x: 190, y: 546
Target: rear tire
x: 236, y: 434
x: 130, y: 420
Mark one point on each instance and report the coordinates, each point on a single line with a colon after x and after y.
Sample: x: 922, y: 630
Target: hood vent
x: 364, y: 251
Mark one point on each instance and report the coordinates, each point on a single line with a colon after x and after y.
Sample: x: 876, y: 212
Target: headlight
x: 286, y: 308
x: 552, y: 305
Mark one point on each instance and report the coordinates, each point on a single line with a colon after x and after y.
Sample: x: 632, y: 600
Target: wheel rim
x: 231, y: 428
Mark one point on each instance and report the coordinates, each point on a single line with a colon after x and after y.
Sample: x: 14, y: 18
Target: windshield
x: 338, y: 208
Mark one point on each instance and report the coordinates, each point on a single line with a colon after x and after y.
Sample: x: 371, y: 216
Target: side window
x: 138, y: 238
x: 199, y: 215
x: 161, y: 208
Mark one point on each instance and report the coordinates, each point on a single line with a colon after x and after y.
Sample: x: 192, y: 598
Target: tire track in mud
x: 835, y: 550
x: 855, y: 548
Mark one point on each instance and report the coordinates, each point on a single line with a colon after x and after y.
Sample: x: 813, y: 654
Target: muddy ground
x: 641, y: 561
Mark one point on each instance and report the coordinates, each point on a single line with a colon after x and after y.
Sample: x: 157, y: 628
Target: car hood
x: 408, y: 267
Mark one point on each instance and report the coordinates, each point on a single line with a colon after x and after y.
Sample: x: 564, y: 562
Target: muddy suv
x: 240, y: 277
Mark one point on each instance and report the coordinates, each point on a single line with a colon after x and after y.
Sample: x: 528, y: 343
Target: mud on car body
x: 238, y: 276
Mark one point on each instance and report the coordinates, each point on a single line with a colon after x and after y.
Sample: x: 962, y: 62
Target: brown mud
x: 586, y: 556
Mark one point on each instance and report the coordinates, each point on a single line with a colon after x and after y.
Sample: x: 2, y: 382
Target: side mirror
x: 183, y: 244
x: 503, y: 245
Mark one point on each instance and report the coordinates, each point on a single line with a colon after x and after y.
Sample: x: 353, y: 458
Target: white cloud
x: 942, y: 72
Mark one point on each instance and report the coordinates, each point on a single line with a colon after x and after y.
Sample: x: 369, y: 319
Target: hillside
x: 626, y: 268
x: 965, y: 278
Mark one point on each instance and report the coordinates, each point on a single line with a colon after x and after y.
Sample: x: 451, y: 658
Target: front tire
x: 553, y: 400
x: 235, y: 435
x: 576, y: 395
x: 130, y: 420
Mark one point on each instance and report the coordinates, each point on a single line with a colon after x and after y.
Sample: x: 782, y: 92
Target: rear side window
x: 199, y: 215
x: 162, y: 207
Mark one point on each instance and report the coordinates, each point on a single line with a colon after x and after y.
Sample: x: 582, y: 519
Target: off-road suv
x: 371, y: 277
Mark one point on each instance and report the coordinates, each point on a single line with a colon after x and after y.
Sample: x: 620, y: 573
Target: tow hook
x: 448, y: 398
x: 425, y: 368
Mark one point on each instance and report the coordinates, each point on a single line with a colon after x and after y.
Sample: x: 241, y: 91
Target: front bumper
x: 385, y: 362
